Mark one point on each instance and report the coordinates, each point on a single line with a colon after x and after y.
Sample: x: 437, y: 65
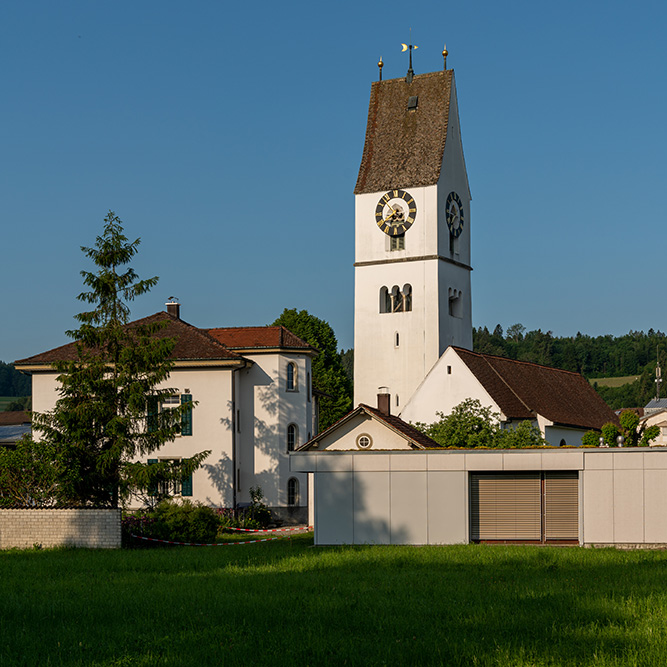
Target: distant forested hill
x: 635, y: 353
x: 13, y: 383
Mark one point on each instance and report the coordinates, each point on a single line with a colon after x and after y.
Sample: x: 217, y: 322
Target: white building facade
x: 254, y: 404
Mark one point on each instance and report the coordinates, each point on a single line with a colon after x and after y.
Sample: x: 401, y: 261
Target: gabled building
x: 254, y: 403
x: 562, y: 404
x: 370, y: 429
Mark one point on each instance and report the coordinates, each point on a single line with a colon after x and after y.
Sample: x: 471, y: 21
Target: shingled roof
x: 522, y: 390
x: 192, y: 344
x: 251, y: 338
x: 404, y: 147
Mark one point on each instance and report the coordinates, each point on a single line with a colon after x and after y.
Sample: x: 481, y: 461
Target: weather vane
x: 409, y: 47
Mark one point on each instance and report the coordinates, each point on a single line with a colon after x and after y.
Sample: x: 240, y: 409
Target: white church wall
x: 555, y: 434
x: 453, y: 177
x: 378, y: 360
x: 448, y: 384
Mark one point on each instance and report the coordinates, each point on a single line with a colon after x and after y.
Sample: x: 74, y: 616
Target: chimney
x: 384, y: 401
x: 173, y: 307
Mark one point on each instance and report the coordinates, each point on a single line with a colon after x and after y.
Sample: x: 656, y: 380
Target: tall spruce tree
x: 106, y: 415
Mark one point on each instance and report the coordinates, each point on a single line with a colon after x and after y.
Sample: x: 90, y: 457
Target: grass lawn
x: 285, y: 602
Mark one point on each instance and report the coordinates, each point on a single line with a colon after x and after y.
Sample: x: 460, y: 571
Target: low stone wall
x: 88, y: 528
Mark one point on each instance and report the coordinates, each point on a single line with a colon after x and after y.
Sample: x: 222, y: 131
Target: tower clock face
x: 454, y: 214
x: 396, y: 212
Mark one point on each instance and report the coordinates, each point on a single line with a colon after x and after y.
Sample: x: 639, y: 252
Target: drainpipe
x: 234, y: 430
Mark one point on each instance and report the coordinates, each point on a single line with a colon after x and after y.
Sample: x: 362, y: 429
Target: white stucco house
x: 659, y: 419
x: 254, y: 403
x: 560, y: 403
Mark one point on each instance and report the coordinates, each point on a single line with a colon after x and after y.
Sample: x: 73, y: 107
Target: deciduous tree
x: 329, y: 375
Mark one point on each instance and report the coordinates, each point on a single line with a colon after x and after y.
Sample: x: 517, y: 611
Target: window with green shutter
x: 152, y: 489
x: 186, y: 485
x: 152, y: 406
x: 186, y: 418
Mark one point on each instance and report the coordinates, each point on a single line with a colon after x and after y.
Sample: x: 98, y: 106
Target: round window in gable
x: 364, y: 441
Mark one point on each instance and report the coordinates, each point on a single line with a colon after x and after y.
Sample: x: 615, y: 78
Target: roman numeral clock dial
x: 396, y: 212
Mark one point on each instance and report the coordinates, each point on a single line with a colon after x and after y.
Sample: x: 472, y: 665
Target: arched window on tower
x: 396, y: 300
x: 385, y: 300
x: 292, y: 437
x: 407, y: 298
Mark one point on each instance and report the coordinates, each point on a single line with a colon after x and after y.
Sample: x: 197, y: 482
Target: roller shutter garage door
x: 536, y: 507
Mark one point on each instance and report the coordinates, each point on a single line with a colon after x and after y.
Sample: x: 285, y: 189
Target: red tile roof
x: 245, y: 338
x: 192, y: 344
x: 404, y: 148
x: 522, y: 390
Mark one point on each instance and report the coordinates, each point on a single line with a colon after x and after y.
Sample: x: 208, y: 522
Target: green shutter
x: 152, y: 489
x: 186, y: 485
x: 186, y: 417
x: 152, y: 415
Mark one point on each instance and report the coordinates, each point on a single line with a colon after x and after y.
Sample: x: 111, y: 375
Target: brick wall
x: 90, y: 528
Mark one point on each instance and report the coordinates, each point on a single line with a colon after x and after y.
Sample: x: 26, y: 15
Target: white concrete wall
x: 421, y: 497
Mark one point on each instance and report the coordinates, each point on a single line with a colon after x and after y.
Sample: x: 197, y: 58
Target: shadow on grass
x: 285, y: 602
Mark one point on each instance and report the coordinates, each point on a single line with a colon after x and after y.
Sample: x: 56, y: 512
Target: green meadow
x: 289, y: 603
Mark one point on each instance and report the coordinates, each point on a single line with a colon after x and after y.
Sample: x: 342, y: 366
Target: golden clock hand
x: 392, y: 214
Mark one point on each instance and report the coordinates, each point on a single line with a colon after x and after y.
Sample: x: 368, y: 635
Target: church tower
x: 412, y: 237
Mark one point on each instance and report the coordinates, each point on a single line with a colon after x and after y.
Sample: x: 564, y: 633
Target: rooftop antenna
x: 409, y: 47
x: 658, y: 375
x: 380, y: 66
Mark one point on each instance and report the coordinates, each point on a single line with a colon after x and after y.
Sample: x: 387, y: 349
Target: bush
x: 183, y: 522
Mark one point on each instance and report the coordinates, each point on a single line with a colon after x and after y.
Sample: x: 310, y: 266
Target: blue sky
x: 228, y: 137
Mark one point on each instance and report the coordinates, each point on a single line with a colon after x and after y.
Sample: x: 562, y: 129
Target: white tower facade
x: 412, y: 237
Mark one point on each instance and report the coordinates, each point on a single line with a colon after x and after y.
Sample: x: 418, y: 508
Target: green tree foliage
x: 99, y: 424
x: 20, y: 404
x: 610, y: 433
x: 472, y: 425
x: 12, y: 382
x: 636, y: 434
x: 590, y: 439
x: 347, y: 358
x: 27, y: 474
x: 329, y: 374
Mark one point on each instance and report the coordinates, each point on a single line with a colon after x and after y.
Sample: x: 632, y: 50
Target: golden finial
x: 444, y: 56
x: 380, y: 66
